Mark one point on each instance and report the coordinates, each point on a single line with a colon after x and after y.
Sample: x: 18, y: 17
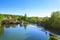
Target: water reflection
x: 1, y: 30
x: 6, y: 26
x: 51, y: 31
x: 23, y: 25
x: 9, y: 25
x: 22, y: 32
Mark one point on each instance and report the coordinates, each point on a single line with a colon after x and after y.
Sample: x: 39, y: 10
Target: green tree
x: 1, y: 18
x: 32, y: 19
x: 25, y: 17
x: 55, y: 19
x: 40, y: 19
x: 45, y: 21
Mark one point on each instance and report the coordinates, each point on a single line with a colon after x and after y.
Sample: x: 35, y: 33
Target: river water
x: 23, y: 32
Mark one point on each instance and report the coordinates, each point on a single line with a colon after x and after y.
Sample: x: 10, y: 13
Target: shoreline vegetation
x: 50, y: 23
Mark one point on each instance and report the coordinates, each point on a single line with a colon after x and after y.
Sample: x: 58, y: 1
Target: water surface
x: 23, y: 32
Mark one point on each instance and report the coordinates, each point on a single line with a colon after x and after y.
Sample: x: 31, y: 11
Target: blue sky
x: 40, y: 8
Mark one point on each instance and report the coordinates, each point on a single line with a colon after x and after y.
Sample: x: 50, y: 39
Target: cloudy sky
x: 40, y: 8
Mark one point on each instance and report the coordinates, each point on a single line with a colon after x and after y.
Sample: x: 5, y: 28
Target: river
x: 23, y: 32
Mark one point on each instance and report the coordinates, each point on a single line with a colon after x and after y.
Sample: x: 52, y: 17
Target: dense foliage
x: 32, y: 19
x: 1, y: 18
x: 53, y: 21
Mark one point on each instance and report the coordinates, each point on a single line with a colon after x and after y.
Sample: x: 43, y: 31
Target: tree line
x: 50, y: 22
x: 53, y: 21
